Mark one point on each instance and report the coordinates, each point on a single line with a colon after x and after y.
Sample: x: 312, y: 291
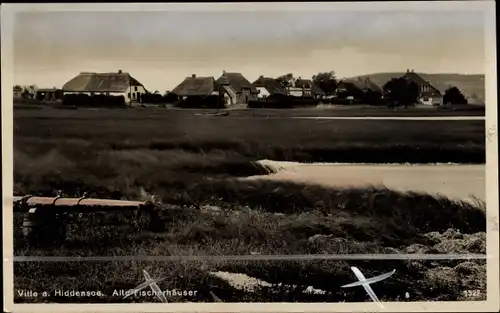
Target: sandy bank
x: 461, y: 182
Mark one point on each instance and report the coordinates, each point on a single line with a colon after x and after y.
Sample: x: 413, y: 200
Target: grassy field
x: 321, y: 110
x: 189, y: 164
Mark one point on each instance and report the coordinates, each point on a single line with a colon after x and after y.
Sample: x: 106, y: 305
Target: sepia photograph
x: 268, y: 154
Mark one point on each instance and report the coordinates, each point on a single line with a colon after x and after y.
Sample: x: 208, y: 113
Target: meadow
x: 188, y: 164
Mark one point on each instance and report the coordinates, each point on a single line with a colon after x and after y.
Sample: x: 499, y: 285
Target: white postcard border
x: 488, y: 7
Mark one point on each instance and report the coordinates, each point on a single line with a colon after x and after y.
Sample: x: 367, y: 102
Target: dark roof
x: 431, y: 93
x: 195, y: 86
x: 101, y: 82
x: 347, y: 84
x: 223, y: 80
x: 308, y: 83
x: 271, y: 84
x: 303, y: 83
x: 316, y: 90
x: 361, y: 84
x: 237, y: 82
x: 414, y: 77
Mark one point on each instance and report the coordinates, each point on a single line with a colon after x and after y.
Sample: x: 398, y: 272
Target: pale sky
x: 161, y: 48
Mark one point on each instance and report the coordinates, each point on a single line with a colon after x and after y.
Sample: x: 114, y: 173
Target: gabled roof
x: 271, y: 84
x: 414, y: 77
x: 361, y: 84
x: 309, y: 84
x: 303, y: 83
x: 316, y: 90
x: 101, y: 82
x: 431, y: 93
x: 237, y: 82
x: 195, y: 86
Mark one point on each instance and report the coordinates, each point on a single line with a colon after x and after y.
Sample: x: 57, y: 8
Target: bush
x: 209, y: 102
x: 170, y: 98
x: 153, y: 98
x: 278, y: 101
x: 83, y: 100
x: 453, y: 95
x: 343, y: 101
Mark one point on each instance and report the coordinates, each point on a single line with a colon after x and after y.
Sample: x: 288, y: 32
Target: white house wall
x: 230, y: 91
x: 124, y: 94
x: 299, y: 92
x: 133, y: 92
x: 129, y: 95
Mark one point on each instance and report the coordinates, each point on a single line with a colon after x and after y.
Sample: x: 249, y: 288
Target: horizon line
x: 338, y: 78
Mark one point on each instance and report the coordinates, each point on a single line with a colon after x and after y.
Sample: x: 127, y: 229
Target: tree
x: 285, y: 79
x: 400, y: 91
x: 29, y: 91
x: 326, y: 81
x: 453, y: 95
x: 372, y: 97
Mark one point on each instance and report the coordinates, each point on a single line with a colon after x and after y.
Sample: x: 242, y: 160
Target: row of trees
x: 326, y: 81
x: 27, y: 91
x: 397, y: 91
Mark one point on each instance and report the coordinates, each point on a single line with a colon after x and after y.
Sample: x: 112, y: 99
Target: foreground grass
x: 214, y: 231
x: 269, y: 218
x: 424, y: 280
x: 265, y: 218
x: 190, y: 164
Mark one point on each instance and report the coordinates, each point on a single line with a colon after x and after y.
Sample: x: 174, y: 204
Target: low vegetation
x: 259, y: 230
x: 189, y: 166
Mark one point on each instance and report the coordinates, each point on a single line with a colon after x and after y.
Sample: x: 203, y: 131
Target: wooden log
x: 23, y: 204
x: 46, y: 222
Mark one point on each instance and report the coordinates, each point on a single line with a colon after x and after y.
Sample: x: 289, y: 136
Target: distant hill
x: 470, y: 85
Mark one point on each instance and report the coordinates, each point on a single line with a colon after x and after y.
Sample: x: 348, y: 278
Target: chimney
x: 193, y: 76
x: 407, y: 70
x: 261, y: 76
x: 412, y: 71
x: 223, y: 72
x: 119, y: 71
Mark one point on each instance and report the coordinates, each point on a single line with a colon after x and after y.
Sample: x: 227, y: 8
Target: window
x: 128, y: 95
x: 135, y: 88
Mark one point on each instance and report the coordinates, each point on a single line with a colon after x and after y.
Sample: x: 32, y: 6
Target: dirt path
x: 461, y: 182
